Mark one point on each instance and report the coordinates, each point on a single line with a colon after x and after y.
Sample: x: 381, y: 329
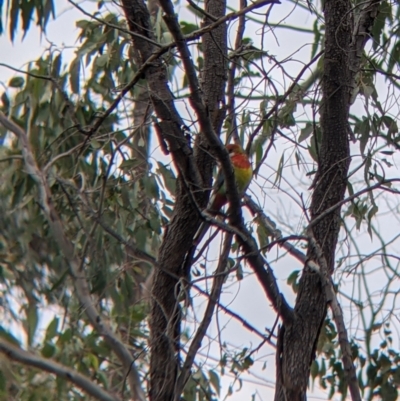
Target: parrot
x: 243, y: 174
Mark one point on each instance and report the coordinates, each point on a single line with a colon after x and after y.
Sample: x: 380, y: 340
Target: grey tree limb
x: 29, y: 359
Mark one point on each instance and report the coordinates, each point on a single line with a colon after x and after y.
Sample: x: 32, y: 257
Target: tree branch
x: 247, y: 325
x: 219, y: 279
x: 282, y: 99
x: 364, y: 21
x: 337, y: 313
x: 27, y: 358
x: 331, y: 209
x: 199, y: 106
x: 322, y: 270
x: 155, y: 55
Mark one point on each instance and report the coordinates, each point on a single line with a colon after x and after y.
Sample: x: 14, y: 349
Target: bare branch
x: 379, y: 185
x: 246, y: 324
x: 201, y: 10
x: 28, y: 358
x: 219, y: 278
x: 337, y: 313
x: 275, y: 233
x: 282, y: 99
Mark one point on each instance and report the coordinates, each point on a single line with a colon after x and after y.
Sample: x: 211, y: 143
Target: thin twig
x: 246, y: 324
x: 379, y: 185
x: 283, y: 98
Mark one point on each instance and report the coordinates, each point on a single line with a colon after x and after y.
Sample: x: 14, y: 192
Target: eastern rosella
x: 243, y: 175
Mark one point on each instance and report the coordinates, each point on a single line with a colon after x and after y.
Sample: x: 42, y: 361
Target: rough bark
x: 214, y: 74
x: 194, y: 180
x: 297, y: 340
x: 164, y: 322
x: 344, y: 44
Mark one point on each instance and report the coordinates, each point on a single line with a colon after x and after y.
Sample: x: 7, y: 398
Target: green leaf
x: 292, y: 280
x: 27, y: 8
x: 93, y: 361
x: 390, y: 124
x: 13, y: 18
x: 259, y: 152
x: 214, y: 381
x: 188, y: 27
x: 248, y: 362
x: 279, y: 170
x: 262, y: 235
x: 19, y: 191
x: 314, y: 369
x: 370, y: 215
x: 317, y: 38
x: 16, y: 82
x: 57, y: 63
x: 306, y: 132
x: 155, y: 224
x: 168, y: 177
x: 74, y: 77
x: 51, y: 331
x: 388, y: 392
x: 102, y: 377
x: 239, y: 272
x: 6, y: 101
x: 48, y: 350
x: 364, y: 130
x: 384, y: 13
x: 31, y: 322
x: 66, y: 336
x: 151, y: 187
x: 1, y: 18
x: 102, y: 61
x: 49, y: 9
x: 313, y: 151
x: 130, y: 164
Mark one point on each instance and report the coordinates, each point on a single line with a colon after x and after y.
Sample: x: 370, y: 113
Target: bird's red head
x: 234, y: 149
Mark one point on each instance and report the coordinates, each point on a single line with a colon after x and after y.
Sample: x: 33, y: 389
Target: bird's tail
x: 190, y: 256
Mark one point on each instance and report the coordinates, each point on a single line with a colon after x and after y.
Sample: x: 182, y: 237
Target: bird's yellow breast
x: 243, y: 177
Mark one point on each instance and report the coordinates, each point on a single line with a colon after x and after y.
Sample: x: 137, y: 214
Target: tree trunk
x: 194, y: 173
x: 297, y: 341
